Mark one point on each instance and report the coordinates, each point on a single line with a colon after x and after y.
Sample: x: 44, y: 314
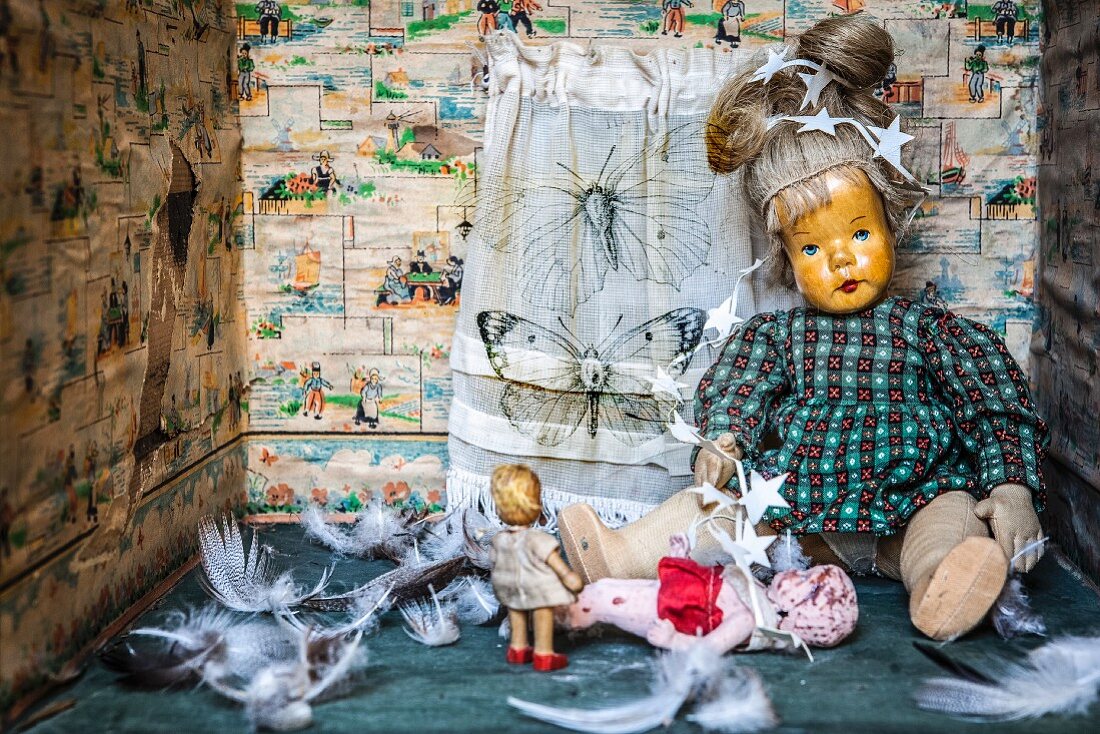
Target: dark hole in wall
x: 174, y: 220
x: 182, y: 193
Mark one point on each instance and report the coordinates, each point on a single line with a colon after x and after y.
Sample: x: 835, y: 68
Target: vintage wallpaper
x: 307, y: 296
x: 121, y: 326
x: 1066, y: 346
x: 362, y: 125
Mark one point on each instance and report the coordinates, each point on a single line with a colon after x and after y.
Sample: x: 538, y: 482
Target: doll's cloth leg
x: 633, y: 551
x: 888, y: 554
x: 951, y: 567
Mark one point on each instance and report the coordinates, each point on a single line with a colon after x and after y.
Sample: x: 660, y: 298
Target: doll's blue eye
x: 862, y: 235
x: 809, y: 249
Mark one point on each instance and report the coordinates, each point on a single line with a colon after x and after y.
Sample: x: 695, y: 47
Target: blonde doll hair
x: 517, y: 494
x: 782, y: 163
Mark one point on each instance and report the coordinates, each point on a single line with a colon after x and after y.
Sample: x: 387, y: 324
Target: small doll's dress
x: 521, y: 577
x: 877, y: 412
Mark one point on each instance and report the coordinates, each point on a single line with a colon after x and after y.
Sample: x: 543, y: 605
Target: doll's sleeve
x: 739, y: 391
x: 990, y: 401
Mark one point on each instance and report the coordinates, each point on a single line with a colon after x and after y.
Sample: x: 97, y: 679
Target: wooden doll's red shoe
x: 519, y: 655
x: 553, y: 661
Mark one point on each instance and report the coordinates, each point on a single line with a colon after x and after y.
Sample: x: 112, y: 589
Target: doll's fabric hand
x: 661, y: 634
x: 1011, y: 517
x: 713, y: 469
x: 573, y: 582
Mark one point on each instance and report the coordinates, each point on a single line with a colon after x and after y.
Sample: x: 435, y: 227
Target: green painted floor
x: 863, y: 686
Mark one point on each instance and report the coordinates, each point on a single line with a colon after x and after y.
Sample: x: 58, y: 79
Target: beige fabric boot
x: 633, y: 551
x: 951, y: 567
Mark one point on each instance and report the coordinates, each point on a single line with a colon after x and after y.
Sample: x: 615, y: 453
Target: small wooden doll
x: 529, y: 575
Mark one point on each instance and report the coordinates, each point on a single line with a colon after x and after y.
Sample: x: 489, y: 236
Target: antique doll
x: 690, y: 602
x: 529, y: 574
x: 907, y: 432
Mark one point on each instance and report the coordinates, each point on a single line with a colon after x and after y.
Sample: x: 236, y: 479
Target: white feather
x: 278, y: 695
x: 738, y: 703
x: 445, y: 539
x: 1012, y: 613
x: 465, y: 532
x: 246, y: 582
x: 786, y: 554
x: 430, y: 623
x: 1061, y: 677
x: 473, y: 599
x: 679, y: 676
x: 377, y: 531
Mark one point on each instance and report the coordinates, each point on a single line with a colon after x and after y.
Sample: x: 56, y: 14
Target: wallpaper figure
x: 395, y: 288
x: 1005, y: 12
x: 729, y: 23
x: 519, y: 15
x: 370, y: 399
x: 270, y: 14
x: 313, y: 389
x: 977, y: 66
x: 245, y: 67
x: 323, y: 175
x: 487, y: 22
x: 674, y: 16
x: 451, y: 282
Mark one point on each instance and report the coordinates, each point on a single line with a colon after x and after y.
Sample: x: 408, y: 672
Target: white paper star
x: 815, y: 83
x: 756, y: 546
x: 713, y: 496
x: 775, y: 62
x: 763, y: 493
x: 665, y: 383
x: 822, y: 121
x: 890, y: 140
x: 723, y: 318
x: 738, y: 553
x: 681, y: 431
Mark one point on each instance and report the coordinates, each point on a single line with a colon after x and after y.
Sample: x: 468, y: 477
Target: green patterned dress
x: 876, y: 412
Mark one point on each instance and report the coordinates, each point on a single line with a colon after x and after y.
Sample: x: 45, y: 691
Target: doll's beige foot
x: 633, y: 551
x: 589, y: 545
x: 960, y: 591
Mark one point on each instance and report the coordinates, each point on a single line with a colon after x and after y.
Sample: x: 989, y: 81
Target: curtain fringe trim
x: 468, y: 490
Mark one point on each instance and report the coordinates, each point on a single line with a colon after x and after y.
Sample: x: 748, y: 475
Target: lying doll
x: 689, y: 602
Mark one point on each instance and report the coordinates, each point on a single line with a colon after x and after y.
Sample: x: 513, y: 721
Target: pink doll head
x: 818, y: 604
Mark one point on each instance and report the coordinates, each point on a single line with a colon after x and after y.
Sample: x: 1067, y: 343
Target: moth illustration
x: 619, y: 211
x: 555, y: 382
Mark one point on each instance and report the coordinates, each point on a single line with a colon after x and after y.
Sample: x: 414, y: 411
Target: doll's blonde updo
x: 517, y: 494
x: 785, y: 164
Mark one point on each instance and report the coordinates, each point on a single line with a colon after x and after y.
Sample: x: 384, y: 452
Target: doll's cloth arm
x: 740, y: 390
x: 990, y: 401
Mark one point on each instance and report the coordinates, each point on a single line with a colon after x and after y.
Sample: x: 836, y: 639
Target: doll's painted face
x: 842, y: 253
